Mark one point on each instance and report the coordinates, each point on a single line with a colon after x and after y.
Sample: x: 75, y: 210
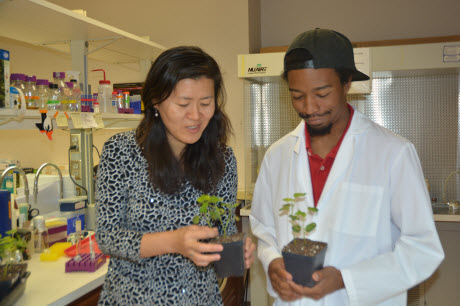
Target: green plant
x: 298, y: 216
x: 8, y: 245
x: 213, y: 208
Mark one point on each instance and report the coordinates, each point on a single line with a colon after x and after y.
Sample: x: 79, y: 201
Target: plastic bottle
x: 31, y: 93
x: 64, y: 91
x: 43, y: 93
x: 54, y: 102
x: 41, y: 234
x: 104, y: 97
x: 126, y: 99
x: 120, y: 103
x: 17, y: 81
x: 76, y: 93
x: 72, y: 105
x: 114, y: 102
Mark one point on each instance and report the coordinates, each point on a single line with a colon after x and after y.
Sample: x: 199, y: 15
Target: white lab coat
x: 374, y: 213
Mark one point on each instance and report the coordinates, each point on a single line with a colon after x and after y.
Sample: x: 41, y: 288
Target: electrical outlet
x: 75, y: 169
x: 75, y: 141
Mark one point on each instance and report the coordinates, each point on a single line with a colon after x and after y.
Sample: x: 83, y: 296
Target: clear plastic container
x: 76, y: 93
x: 114, y: 102
x: 54, y: 102
x: 41, y: 234
x: 126, y: 99
x: 18, y: 80
x: 31, y: 93
x: 64, y: 91
x: 43, y: 93
x: 72, y: 106
x: 120, y: 103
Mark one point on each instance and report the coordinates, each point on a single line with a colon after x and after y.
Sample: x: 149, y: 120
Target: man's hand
x: 328, y: 280
x: 281, y: 280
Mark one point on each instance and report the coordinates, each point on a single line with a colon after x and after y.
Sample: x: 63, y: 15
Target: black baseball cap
x: 328, y: 49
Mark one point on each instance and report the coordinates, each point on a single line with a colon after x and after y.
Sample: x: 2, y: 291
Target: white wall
x: 219, y: 27
x: 359, y: 20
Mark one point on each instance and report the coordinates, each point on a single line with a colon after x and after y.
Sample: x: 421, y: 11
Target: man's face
x: 319, y: 98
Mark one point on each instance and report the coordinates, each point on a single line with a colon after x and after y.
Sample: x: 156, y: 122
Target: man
x: 366, y: 181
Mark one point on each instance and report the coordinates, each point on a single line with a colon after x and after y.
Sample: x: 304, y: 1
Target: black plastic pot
x: 302, y: 267
x: 12, y: 281
x: 231, y: 261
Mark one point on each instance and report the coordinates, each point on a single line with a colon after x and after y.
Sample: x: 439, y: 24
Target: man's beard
x: 313, y: 131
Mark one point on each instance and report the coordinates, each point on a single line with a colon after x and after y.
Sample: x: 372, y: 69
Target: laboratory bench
x: 49, y: 284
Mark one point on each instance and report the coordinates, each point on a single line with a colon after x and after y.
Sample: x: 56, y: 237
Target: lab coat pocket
x: 358, y: 208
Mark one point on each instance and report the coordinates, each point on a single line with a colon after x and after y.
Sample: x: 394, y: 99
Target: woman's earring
x: 156, y: 112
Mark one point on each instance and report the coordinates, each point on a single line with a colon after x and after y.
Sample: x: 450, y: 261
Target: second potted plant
x: 213, y: 210
x: 302, y: 256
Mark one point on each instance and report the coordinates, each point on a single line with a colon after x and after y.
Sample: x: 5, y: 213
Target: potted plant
x: 13, y: 274
x: 214, y: 211
x: 302, y: 256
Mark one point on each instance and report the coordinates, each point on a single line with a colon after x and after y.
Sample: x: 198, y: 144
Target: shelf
x: 14, y: 119
x: 43, y: 23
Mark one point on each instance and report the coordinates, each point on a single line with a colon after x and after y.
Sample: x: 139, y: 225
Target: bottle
x: 76, y: 93
x: 104, y: 97
x: 120, y: 104
x: 41, y: 234
x: 31, y: 94
x: 114, y: 102
x: 43, y: 93
x: 18, y: 82
x: 64, y: 91
x: 126, y: 99
x: 54, y: 102
x: 72, y: 105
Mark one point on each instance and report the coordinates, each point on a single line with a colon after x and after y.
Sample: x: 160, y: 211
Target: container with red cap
x: 104, y: 96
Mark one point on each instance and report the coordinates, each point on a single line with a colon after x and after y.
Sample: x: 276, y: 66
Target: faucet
x: 37, y: 175
x: 24, y: 176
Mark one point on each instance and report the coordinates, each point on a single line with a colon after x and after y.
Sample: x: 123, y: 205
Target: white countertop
x: 48, y: 284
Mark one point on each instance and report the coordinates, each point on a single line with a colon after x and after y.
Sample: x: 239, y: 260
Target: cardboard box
x: 4, y: 79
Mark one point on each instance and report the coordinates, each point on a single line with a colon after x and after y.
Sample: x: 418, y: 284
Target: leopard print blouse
x: 128, y: 207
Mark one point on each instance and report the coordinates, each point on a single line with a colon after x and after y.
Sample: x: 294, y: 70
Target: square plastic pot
x: 302, y: 267
x: 231, y: 261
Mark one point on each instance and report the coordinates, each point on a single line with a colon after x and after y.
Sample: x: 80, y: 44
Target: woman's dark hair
x: 202, y: 163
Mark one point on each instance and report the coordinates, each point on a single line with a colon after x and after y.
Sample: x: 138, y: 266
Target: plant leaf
x: 293, y: 218
x: 285, y: 207
x: 203, y: 198
x: 196, y: 219
x: 296, y: 228
x: 288, y: 200
x: 313, y: 209
x: 215, y: 215
x: 300, y: 214
x: 298, y: 195
x: 204, y: 208
x: 215, y: 199
x: 310, y: 227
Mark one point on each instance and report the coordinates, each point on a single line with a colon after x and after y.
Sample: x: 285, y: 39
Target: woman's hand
x: 249, y: 249
x: 186, y: 242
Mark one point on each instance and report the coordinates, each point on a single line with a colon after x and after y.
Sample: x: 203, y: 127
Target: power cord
x: 70, y: 172
x: 98, y: 154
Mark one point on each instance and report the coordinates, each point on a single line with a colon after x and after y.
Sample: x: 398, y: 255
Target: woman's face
x: 187, y: 112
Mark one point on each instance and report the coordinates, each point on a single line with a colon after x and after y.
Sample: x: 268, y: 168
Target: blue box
x: 136, y: 106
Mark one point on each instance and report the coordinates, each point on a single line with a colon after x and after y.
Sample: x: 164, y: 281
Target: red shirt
x: 320, y: 168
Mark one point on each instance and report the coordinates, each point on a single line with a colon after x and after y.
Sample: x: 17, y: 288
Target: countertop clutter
x: 48, y: 284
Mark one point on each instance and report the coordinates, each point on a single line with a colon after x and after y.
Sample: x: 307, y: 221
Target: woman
x: 149, y: 180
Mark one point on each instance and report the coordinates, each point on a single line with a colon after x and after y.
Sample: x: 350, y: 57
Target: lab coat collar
x: 359, y: 124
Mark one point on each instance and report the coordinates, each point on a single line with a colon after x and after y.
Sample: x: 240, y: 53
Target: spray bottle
x: 104, y: 96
